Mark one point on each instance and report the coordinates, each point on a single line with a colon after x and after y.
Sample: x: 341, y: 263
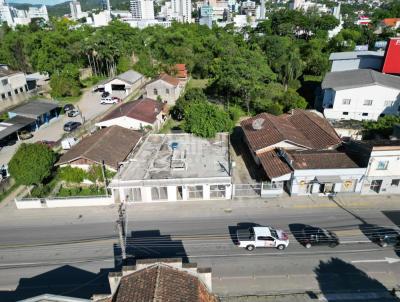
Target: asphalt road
x: 70, y: 251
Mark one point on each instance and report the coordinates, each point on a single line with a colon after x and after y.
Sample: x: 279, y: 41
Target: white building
x: 102, y: 18
x: 13, y: 87
x: 166, y: 88
x: 137, y: 23
x: 350, y: 60
x: 15, y: 17
x: 181, y: 10
x: 76, y: 10
x: 175, y: 167
x: 382, y: 158
x: 142, y: 9
x: 362, y: 94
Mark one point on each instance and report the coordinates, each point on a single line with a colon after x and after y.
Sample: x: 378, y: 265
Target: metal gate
x: 247, y: 190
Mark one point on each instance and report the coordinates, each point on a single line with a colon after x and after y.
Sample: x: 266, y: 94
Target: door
x: 265, y: 241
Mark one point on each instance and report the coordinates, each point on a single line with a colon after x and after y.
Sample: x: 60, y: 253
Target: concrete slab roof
x: 34, y: 109
x: 167, y: 157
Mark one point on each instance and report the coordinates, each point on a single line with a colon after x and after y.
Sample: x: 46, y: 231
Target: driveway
x: 90, y: 107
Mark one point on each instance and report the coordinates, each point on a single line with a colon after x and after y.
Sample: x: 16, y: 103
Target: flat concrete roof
x: 34, y: 109
x: 165, y: 157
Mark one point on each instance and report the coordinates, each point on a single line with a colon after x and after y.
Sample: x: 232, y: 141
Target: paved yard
x: 89, y: 105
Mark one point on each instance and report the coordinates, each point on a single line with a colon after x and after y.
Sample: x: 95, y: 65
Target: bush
x: 382, y: 127
x: 235, y: 112
x: 73, y: 175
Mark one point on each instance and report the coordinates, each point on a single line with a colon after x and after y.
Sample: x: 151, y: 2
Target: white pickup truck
x: 262, y: 236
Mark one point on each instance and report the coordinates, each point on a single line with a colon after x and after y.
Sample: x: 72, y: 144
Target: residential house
x: 351, y: 60
x: 54, y: 298
x: 165, y: 88
x: 267, y: 135
x: 13, y: 87
x: 181, y: 72
x: 136, y: 115
x: 362, y: 94
x: 161, y: 280
x: 175, y: 167
x: 110, y: 145
x: 393, y: 23
x: 382, y: 158
x: 126, y: 82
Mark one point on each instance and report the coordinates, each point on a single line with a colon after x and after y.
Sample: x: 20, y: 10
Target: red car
x: 50, y: 144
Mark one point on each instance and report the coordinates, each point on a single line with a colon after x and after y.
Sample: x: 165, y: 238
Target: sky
x: 46, y: 2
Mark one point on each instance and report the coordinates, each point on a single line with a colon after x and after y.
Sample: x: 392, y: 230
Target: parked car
x: 68, y: 107
x: 316, y: 236
x: 71, y: 126
x: 73, y: 113
x: 390, y: 240
x: 108, y: 100
x: 50, y: 144
x: 262, y: 236
x: 105, y: 94
x: 24, y: 134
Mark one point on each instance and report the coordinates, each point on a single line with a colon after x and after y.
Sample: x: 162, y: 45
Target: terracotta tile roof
x: 112, y: 144
x: 390, y: 22
x: 322, y: 159
x: 161, y: 283
x: 145, y: 110
x: 301, y: 128
x: 181, y: 71
x: 273, y: 164
x: 169, y: 79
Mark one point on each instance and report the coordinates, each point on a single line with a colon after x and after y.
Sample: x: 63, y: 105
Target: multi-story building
x: 76, y: 10
x: 362, y: 94
x: 13, y: 87
x: 14, y: 17
x: 142, y: 9
x: 181, y: 10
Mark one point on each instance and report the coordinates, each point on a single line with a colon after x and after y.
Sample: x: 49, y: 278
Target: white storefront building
x: 175, y: 167
x: 362, y: 94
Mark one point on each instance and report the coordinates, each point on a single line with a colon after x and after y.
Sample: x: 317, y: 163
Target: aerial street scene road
x: 199, y: 151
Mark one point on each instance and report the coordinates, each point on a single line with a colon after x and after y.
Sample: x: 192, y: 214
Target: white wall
x: 79, y: 202
x: 378, y: 94
x: 28, y: 204
x: 126, y: 122
x: 362, y: 62
x: 162, y: 86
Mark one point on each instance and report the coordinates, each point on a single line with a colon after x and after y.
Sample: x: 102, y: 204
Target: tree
x: 31, y: 164
x: 66, y: 82
x: 205, y: 119
x: 383, y: 127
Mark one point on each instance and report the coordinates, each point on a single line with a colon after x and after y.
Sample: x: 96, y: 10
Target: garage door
x: 118, y: 87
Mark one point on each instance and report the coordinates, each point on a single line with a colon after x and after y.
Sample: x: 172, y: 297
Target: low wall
x: 86, y: 201
x: 79, y: 202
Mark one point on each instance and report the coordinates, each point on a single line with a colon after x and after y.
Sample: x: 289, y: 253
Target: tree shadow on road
x: 65, y: 280
x: 150, y: 244
x: 338, y: 280
x: 241, y: 225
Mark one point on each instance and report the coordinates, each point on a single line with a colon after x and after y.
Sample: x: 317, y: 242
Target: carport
x: 9, y: 128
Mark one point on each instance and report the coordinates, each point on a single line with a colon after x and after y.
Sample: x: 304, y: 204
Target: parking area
x: 90, y: 107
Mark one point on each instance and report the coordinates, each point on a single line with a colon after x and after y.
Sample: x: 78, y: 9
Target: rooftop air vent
x: 258, y: 124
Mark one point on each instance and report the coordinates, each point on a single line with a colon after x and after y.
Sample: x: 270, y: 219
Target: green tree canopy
x: 31, y: 164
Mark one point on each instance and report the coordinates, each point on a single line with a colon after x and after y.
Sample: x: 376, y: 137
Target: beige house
x: 166, y: 88
x: 13, y: 87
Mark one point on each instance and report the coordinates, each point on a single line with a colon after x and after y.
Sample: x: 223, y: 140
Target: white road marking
x: 387, y: 259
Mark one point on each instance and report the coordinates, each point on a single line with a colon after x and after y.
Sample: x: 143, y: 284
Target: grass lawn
x: 69, y: 99
x: 197, y: 83
x: 169, y: 125
x: 8, y: 192
x: 81, y: 191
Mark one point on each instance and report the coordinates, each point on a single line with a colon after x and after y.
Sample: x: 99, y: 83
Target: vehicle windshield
x: 274, y: 233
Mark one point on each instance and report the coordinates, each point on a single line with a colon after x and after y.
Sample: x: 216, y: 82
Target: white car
x: 262, y: 236
x: 109, y: 100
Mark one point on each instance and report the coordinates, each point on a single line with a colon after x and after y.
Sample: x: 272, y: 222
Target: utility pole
x: 122, y: 225
x: 103, y: 171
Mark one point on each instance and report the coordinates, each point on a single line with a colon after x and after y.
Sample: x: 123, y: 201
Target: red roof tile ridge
x: 157, y: 288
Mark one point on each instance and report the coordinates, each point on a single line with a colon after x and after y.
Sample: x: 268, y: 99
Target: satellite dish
x: 258, y: 124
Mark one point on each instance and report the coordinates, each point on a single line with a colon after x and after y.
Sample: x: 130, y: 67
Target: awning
x: 328, y: 179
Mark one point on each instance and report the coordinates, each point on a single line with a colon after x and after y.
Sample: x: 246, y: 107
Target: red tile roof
x: 145, y: 110
x: 163, y: 284
x: 322, y: 159
x: 301, y: 127
x: 390, y: 22
x: 181, y: 71
x: 273, y: 164
x: 112, y: 144
x: 169, y: 79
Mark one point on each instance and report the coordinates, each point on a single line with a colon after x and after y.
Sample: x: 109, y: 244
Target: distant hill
x: 87, y: 5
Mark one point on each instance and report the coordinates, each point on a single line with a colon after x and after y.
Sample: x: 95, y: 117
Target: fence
x: 63, y: 202
x: 247, y: 190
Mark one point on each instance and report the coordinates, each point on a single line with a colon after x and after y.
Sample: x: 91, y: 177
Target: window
x: 395, y: 182
x: 367, y: 102
x: 195, y: 192
x: 346, y: 101
x: 389, y: 103
x: 21, y: 89
x: 376, y: 185
x: 3, y: 96
x: 155, y: 91
x: 9, y: 93
x: 16, y: 91
x: 382, y: 165
x: 4, y: 82
x: 217, y: 191
x: 345, y: 113
x: 167, y: 91
x: 159, y: 193
x: 365, y: 114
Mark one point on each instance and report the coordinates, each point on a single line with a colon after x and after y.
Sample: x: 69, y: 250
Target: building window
x: 21, y: 89
x: 367, y: 102
x: 395, y: 182
x: 195, y: 192
x: 159, y: 193
x: 389, y: 103
x: 4, y: 82
x: 383, y: 165
x: 9, y: 93
x: 365, y: 114
x: 167, y: 91
x: 376, y: 185
x: 345, y: 113
x: 217, y: 191
x: 346, y: 101
x: 16, y: 91
x: 26, y: 87
x: 3, y: 96
x: 155, y: 91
